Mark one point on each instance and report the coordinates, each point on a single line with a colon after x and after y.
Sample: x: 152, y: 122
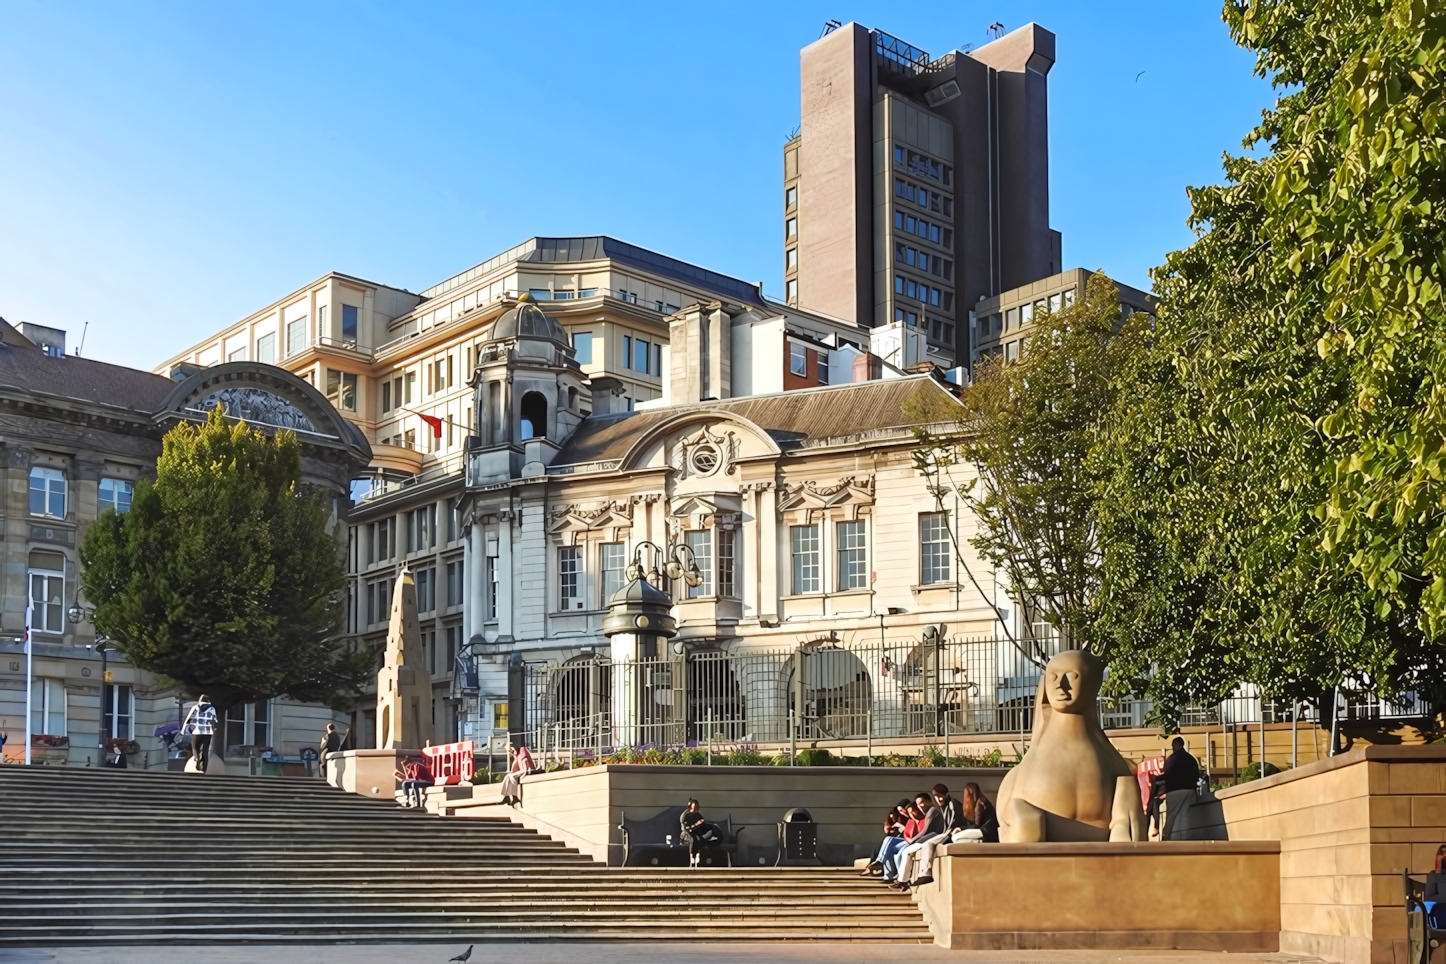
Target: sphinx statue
x: 1072, y: 785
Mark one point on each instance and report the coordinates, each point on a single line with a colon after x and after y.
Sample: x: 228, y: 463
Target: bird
x: 464, y: 957
x: 1138, y: 76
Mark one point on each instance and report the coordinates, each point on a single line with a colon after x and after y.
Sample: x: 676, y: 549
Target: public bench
x: 645, y: 842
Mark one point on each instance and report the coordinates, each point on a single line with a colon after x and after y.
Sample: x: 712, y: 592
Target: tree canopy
x: 227, y: 574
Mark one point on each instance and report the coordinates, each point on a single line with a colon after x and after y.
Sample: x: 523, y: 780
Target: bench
x: 645, y: 841
x: 1424, y: 944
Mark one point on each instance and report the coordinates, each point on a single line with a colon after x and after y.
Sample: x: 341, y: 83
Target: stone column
x: 504, y: 575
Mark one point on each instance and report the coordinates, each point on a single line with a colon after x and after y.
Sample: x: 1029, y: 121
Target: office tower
x: 917, y: 185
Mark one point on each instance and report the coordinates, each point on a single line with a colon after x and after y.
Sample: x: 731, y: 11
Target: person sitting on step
x: 933, y: 829
x: 414, y: 776
x: 913, y: 829
x: 951, y: 819
x: 512, y: 783
x: 894, y: 822
x: 697, y: 833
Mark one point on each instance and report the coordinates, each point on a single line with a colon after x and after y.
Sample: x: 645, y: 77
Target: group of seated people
x: 915, y: 829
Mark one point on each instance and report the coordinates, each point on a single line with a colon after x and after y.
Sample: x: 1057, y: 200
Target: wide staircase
x: 103, y: 857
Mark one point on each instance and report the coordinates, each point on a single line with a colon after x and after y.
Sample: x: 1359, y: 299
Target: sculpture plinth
x: 404, y: 690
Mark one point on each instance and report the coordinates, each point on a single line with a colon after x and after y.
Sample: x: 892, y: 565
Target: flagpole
x: 29, y: 679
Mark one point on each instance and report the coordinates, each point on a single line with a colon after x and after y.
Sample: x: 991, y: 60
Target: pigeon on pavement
x: 464, y: 957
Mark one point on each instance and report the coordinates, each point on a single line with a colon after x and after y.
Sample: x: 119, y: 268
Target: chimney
x: 868, y: 367
x: 604, y: 389
x: 700, y: 349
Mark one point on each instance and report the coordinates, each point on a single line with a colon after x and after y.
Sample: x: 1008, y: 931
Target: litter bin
x: 797, y: 839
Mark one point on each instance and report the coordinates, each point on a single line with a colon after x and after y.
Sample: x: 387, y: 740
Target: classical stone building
x: 76, y: 435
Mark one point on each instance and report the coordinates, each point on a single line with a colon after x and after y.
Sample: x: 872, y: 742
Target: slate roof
x: 791, y: 419
x: 25, y: 368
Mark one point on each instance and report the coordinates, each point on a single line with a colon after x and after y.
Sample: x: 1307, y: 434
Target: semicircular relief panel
x: 256, y: 406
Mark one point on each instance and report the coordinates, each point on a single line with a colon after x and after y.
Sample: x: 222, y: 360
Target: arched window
x: 534, y: 416
x: 572, y: 399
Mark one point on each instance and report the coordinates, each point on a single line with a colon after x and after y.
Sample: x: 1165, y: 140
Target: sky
x: 167, y: 169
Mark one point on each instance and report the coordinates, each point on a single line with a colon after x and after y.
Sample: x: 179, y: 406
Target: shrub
x: 1252, y: 771
x: 814, y: 757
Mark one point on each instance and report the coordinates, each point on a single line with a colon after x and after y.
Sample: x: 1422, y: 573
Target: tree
x: 226, y: 575
x: 1027, y: 429
x: 1273, y: 508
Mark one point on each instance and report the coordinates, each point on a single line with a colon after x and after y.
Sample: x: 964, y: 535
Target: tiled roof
x: 25, y: 368
x: 791, y: 419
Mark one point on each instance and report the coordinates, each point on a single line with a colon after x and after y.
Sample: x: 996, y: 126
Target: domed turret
x: 526, y: 320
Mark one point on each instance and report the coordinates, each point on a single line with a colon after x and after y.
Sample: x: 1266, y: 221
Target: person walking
x: 201, y: 724
x: 331, y: 742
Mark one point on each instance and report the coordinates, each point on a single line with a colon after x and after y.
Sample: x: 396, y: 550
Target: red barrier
x: 451, y: 763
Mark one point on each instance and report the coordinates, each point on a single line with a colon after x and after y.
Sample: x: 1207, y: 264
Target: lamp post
x: 678, y: 563
x: 75, y: 614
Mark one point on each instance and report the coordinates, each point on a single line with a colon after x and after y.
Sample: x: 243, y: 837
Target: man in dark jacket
x: 1182, y: 771
x: 944, y: 817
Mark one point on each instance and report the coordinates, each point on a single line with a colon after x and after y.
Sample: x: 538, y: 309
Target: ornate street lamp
x: 641, y: 607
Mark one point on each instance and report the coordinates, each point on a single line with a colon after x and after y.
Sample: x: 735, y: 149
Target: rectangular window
x: 1069, y: 298
x: 454, y: 519
x: 934, y: 296
x: 700, y: 541
x: 348, y: 325
x: 422, y: 533
x: 238, y: 355
x: 790, y: 198
x: 898, y: 284
x: 386, y: 396
x: 657, y: 359
x: 823, y: 368
x: 791, y: 259
x: 266, y: 348
x: 797, y: 358
x: 642, y: 354
x: 949, y: 301
x: 934, y: 233
x: 47, y: 601
x: 582, y: 347
x: 47, y: 707
x: 119, y: 710
x: 948, y: 208
x: 386, y: 545
x: 790, y: 228
x: 295, y: 336
x: 341, y: 389
x: 627, y: 351
x: 569, y: 577
x: 909, y: 256
x: 792, y: 288
x: 611, y: 563
x: 454, y: 583
x: 911, y: 289
x: 322, y: 335
x: 115, y: 494
x: 806, y: 569
x: 454, y: 645
x: 727, y: 561
x: 853, y: 565
x: 934, y: 549
x: 492, y: 587
x: 426, y: 590
x: 948, y: 238
x: 409, y: 386
x: 47, y: 492
x: 923, y: 261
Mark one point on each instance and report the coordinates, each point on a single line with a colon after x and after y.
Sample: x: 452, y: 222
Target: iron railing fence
x: 822, y: 692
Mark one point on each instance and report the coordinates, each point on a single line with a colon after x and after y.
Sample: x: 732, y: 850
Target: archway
x: 581, y: 699
x: 534, y: 416
x: 833, y: 696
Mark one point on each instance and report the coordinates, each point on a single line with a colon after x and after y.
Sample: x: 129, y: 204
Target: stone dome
x: 526, y: 320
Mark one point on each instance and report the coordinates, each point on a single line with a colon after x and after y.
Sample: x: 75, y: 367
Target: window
x: 295, y: 336
x: 611, y: 563
x: 823, y: 368
x: 238, y: 354
x: 797, y: 358
x: 422, y: 528
x: 790, y: 198
x: 248, y: 725
x: 791, y: 259
x: 700, y: 541
x: 911, y: 289
x: 341, y: 389
x: 409, y: 385
x: 792, y: 288
x: 266, y: 348
x: 948, y: 208
x: 540, y: 294
x: 582, y: 347
x: 47, y: 707
x: 116, y: 494
x: 348, y: 325
x: 119, y: 711
x: 454, y: 519
x: 47, y: 492
x: 454, y: 644
x: 426, y: 589
x: 379, y: 600
x: 454, y: 583
x: 382, y: 546
x: 853, y: 563
x: 657, y: 359
x: 934, y: 551
x: 898, y: 284
x: 642, y: 353
x: 1056, y: 302
x: 1069, y: 298
x: 790, y: 228
x: 47, y: 591
x: 491, y: 587
x: 321, y: 333
x: 587, y: 293
x: 727, y: 560
x: 627, y: 351
x: 569, y: 581
x: 806, y: 575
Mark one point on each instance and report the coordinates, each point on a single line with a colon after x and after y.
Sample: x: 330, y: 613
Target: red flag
x: 433, y: 421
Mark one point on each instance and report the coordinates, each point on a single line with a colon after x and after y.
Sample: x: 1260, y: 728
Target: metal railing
x: 825, y: 691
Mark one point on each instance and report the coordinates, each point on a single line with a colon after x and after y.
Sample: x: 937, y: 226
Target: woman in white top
x: 201, y: 723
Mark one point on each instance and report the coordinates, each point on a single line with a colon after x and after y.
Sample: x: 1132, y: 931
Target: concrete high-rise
x: 916, y: 185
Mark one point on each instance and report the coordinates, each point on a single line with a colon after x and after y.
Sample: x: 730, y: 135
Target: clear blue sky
x: 166, y: 169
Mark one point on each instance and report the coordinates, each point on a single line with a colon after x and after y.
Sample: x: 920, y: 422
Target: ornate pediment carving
x: 705, y: 454
x: 810, y: 494
x: 256, y: 406
x: 578, y: 518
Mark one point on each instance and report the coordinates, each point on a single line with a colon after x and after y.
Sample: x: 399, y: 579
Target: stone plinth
x: 1174, y: 895
x: 371, y: 773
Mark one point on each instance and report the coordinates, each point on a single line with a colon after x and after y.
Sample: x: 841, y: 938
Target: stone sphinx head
x: 1070, y: 685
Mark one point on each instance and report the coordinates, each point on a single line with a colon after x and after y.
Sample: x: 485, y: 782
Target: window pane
x: 852, y: 561
x: 611, y: 562
x: 569, y: 567
x: 805, y: 559
x: 727, y: 561
x: 266, y: 348
x: 934, y: 548
x: 641, y: 356
x: 797, y: 359
x: 582, y: 347
x: 701, y: 542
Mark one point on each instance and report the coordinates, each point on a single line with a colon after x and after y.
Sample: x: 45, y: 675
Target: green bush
x: 814, y: 757
x: 1252, y: 771
x: 743, y: 758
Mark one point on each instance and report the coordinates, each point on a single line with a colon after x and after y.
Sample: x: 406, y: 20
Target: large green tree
x: 1018, y: 454
x: 1273, y: 508
x: 227, y: 575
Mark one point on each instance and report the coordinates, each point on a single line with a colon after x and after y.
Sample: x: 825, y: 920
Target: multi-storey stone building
x: 1002, y: 324
x: 76, y: 436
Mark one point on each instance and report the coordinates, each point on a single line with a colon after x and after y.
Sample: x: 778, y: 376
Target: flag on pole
x: 433, y: 421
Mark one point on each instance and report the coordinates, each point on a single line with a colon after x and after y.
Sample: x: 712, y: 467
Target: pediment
x: 810, y: 494
x: 576, y: 518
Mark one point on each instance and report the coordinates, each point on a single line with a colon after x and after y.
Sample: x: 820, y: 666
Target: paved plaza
x: 654, y: 953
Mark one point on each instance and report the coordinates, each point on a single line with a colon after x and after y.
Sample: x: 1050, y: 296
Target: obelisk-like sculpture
x: 404, y: 690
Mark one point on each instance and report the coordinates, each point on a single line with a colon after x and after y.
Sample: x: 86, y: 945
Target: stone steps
x: 96, y: 857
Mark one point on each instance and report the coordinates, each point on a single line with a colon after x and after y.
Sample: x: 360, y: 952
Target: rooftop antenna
x: 829, y: 27
x: 82, y: 339
x: 996, y: 30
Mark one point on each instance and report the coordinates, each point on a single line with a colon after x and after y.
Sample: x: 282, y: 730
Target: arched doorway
x: 830, y: 693
x: 715, y: 702
x: 581, y: 700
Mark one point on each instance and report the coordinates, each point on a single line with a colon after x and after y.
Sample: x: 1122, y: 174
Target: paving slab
x: 652, y: 953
